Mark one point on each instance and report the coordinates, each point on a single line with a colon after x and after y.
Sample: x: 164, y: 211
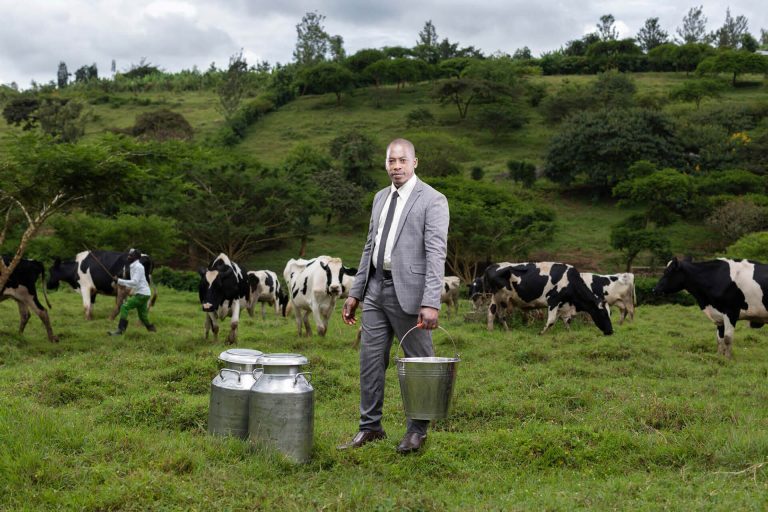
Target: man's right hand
x: 348, y: 311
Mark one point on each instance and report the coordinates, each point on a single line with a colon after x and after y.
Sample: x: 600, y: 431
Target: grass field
x: 647, y: 419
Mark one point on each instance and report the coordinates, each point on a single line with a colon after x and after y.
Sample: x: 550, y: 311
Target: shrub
x: 737, y: 218
x: 439, y: 154
x: 753, y: 246
x: 730, y: 182
x: 522, y: 172
x: 161, y: 125
x: 419, y: 117
x: 645, y: 296
x: 182, y: 280
x: 477, y: 173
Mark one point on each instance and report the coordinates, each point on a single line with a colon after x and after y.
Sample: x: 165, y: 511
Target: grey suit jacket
x: 418, y: 254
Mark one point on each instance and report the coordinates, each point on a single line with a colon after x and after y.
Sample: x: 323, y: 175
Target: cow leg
x: 121, y: 293
x: 250, y: 307
x: 551, y: 319
x: 234, y: 323
x: 322, y: 314
x: 211, y: 325
x: 622, y: 311
x: 727, y: 335
x: 491, y: 315
x: 88, y: 299
x: 263, y: 316
x: 307, y: 326
x: 23, y: 316
x: 298, y: 314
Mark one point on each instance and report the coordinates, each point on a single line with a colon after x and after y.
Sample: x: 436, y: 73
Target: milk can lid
x: 241, y: 356
x: 283, y: 360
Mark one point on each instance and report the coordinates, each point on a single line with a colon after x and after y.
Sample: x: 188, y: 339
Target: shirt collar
x: 405, y: 189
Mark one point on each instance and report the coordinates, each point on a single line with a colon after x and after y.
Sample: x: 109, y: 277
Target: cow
x: 91, y: 273
x: 347, y: 280
x: 314, y: 287
x: 223, y: 292
x: 555, y: 286
x: 265, y: 288
x: 614, y: 289
x: 726, y: 291
x: 450, y: 294
x: 20, y: 287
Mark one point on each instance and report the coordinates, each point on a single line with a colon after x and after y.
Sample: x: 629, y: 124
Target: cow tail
x: 153, y: 298
x: 634, y: 297
x: 42, y: 285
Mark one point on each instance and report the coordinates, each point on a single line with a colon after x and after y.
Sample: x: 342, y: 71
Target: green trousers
x: 139, y: 303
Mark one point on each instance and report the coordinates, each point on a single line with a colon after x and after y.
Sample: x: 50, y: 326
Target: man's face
x: 400, y: 164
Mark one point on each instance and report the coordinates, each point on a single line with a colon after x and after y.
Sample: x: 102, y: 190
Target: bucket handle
x: 260, y: 372
x: 433, y: 344
x: 296, y: 378
x: 229, y: 370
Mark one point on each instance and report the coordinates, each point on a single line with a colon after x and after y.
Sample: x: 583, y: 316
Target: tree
x: 632, y: 241
x: 753, y: 246
x: 523, y: 53
x: 22, y: 111
x: 736, y: 218
x: 735, y: 62
x: 232, y: 87
x: 694, y: 28
x: 354, y: 154
x: 427, y: 46
x: 85, y: 74
x: 606, y: 29
x: 336, y: 45
x: 326, y: 77
x: 697, y: 90
x: 62, y: 75
x: 61, y: 119
x: 518, y: 224
x: 462, y: 92
x: 651, y: 35
x: 749, y: 43
x: 501, y: 117
x: 764, y: 37
x: 39, y: 179
x: 688, y: 56
x: 311, y: 40
x: 729, y: 35
x: 600, y: 146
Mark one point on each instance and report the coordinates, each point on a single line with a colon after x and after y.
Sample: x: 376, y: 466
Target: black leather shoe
x: 412, y: 442
x: 363, y: 437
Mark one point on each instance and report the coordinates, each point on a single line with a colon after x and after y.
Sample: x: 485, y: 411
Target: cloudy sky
x: 179, y: 34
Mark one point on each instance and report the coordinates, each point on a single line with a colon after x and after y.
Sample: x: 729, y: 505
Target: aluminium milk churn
x: 282, y: 406
x: 230, y: 391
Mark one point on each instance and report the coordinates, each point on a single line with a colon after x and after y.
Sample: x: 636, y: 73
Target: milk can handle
x: 229, y: 370
x: 296, y: 378
x: 256, y: 370
x: 433, y: 345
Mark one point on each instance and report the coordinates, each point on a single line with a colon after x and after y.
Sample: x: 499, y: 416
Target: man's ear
x: 415, y: 162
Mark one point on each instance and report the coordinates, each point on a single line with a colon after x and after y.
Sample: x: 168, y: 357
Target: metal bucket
x: 230, y: 392
x: 426, y: 383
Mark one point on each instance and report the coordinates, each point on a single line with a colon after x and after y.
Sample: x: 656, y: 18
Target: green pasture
x: 647, y: 419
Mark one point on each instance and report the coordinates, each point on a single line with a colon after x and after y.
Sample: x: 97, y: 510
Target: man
x: 141, y: 294
x: 399, y: 280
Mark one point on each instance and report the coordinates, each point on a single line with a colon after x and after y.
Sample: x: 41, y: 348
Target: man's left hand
x: 428, y: 318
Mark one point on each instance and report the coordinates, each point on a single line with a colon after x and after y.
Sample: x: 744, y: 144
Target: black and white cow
x: 555, y: 286
x: 616, y: 290
x: 726, y: 291
x: 88, y: 275
x: 265, y: 289
x: 314, y: 287
x: 223, y: 292
x: 450, y: 294
x: 347, y: 280
x: 21, y: 288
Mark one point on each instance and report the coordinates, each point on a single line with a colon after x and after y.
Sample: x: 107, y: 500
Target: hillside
x: 583, y: 222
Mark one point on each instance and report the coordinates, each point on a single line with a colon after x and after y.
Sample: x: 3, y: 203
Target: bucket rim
x: 428, y: 360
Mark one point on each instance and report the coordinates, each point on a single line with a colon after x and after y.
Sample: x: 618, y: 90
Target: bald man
x: 399, y: 280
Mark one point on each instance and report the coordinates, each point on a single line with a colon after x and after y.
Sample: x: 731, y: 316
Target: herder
x: 140, y: 296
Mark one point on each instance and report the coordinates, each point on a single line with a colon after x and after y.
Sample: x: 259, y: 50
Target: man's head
x: 401, y: 161
x: 133, y: 255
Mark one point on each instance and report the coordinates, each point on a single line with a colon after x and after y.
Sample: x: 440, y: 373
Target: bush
x: 730, y: 182
x: 161, y: 125
x: 419, y: 117
x: 753, y: 246
x: 183, y: 280
x: 439, y: 154
x: 736, y: 218
x: 477, y: 173
x: 569, y: 99
x: 522, y: 172
x: 645, y: 296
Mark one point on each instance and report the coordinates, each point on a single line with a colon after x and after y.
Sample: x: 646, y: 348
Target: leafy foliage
x: 354, y: 154
x: 736, y: 218
x: 752, y: 246
x: 161, y: 125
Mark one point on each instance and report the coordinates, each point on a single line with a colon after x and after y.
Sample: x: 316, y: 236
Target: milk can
x: 281, y: 410
x: 230, y: 391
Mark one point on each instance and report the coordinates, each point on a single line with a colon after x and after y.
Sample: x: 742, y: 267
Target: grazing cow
x: 347, y: 280
x: 555, y: 286
x: 21, y: 288
x: 726, y: 291
x: 88, y: 275
x: 450, y: 294
x: 314, y: 287
x: 614, y: 289
x: 223, y: 292
x: 265, y: 288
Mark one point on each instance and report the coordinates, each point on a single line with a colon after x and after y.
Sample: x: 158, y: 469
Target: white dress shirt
x: 138, y: 281
x: 403, y: 193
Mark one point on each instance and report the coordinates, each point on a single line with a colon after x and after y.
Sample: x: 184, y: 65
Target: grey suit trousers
x: 383, y: 318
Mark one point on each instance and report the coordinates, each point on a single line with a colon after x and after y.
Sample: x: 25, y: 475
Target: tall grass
x: 648, y: 418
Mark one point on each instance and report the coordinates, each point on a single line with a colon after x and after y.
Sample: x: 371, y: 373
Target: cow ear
x: 201, y: 271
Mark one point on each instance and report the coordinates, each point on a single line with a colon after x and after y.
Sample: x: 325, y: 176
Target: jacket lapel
x: 415, y: 194
x: 378, y: 205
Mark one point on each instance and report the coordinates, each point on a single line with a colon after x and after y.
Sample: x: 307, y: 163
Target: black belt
x: 387, y: 274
